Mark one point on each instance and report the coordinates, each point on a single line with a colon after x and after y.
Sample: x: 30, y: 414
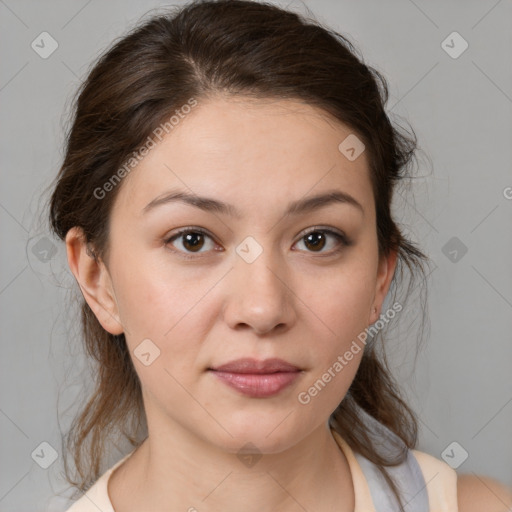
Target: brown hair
x: 234, y: 47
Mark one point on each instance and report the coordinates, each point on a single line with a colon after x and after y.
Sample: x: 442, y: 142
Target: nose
x: 260, y: 296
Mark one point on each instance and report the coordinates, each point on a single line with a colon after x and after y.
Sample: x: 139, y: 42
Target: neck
x: 176, y: 468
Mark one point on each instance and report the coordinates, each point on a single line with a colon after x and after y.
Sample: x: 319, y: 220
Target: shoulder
x: 476, y: 493
x: 94, y: 499
x: 440, y: 482
x: 464, y: 492
x: 97, y: 498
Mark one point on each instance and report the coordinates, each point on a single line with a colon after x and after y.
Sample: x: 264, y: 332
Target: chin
x: 269, y: 433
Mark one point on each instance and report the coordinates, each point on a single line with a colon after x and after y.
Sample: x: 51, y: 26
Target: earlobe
x: 94, y: 280
x: 386, y: 270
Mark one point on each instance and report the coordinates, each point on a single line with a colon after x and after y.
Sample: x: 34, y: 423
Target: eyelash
x: 343, y: 240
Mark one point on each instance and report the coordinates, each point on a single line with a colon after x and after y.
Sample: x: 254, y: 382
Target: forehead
x: 253, y: 153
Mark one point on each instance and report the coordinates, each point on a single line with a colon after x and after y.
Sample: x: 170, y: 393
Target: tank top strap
x: 425, y: 484
x: 408, y: 478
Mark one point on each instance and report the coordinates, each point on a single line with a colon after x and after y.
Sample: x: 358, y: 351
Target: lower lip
x: 258, y: 385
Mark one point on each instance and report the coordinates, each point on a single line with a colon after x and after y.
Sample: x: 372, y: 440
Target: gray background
x: 461, y: 381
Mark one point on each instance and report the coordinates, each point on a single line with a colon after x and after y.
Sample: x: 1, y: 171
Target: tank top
x: 426, y: 484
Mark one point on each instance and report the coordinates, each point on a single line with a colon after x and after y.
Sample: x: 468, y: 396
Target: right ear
x: 94, y: 280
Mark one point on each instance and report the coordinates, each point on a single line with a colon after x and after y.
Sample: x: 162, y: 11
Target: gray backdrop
x: 457, y: 99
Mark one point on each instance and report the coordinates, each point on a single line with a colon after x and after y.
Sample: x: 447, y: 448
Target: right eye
x: 192, y: 241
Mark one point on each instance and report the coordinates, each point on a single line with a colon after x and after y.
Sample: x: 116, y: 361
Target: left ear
x: 385, y: 272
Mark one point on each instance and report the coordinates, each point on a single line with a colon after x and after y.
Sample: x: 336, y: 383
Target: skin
x: 476, y: 493
x: 291, y: 302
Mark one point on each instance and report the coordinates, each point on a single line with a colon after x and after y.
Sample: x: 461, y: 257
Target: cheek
x: 341, y: 301
x: 151, y: 297
x: 159, y: 311
x: 157, y: 303
x: 147, y: 304
x: 338, y: 309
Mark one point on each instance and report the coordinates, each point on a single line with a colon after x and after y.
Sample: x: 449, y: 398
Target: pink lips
x: 257, y: 379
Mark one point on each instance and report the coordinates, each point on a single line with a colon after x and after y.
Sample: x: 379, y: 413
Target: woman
x: 225, y: 200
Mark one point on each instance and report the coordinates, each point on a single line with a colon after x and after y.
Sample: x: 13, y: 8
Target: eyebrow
x: 298, y: 207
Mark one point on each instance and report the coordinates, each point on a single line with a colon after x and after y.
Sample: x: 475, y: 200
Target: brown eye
x: 317, y: 239
x: 191, y: 241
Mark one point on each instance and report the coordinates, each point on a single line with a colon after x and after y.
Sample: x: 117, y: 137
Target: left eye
x: 193, y: 240
x: 317, y: 239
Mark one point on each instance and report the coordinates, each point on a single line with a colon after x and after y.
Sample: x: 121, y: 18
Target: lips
x: 257, y: 379
x: 248, y: 365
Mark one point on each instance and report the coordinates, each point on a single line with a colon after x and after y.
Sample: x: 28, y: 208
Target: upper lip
x: 249, y: 365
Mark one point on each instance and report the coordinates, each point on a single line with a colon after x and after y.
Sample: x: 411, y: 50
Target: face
x: 196, y: 287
